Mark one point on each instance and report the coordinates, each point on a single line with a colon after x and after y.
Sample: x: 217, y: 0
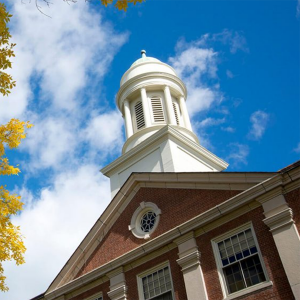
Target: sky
x: 239, y: 60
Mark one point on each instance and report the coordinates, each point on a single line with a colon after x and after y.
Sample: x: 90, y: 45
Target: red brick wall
x: 104, y: 288
x: 279, y: 290
x: 177, y: 206
x: 131, y: 279
x: 177, y: 277
x: 293, y: 200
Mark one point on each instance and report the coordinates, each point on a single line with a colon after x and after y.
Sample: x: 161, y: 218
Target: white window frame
x: 220, y: 267
x: 95, y: 296
x: 150, y: 271
x: 134, y: 226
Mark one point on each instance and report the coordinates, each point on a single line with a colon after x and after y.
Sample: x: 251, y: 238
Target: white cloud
x: 195, y: 65
x: 228, y: 129
x: 53, y: 225
x: 55, y: 60
x: 210, y: 122
x: 229, y: 74
x: 58, y: 55
x: 234, y: 39
x: 238, y: 154
x: 104, y: 132
x: 297, y: 149
x: 259, y: 121
x: 51, y: 142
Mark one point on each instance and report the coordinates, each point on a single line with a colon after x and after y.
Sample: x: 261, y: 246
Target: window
x: 239, y: 260
x: 97, y: 296
x: 157, y: 110
x: 156, y: 284
x: 139, y: 115
x: 145, y: 220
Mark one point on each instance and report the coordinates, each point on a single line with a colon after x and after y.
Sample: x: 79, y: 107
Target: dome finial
x: 143, y: 52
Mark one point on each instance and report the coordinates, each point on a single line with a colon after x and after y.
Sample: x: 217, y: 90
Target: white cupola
x: 151, y: 96
x: 152, y: 100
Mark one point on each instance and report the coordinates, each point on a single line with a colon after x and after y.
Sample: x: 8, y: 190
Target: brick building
x: 177, y: 226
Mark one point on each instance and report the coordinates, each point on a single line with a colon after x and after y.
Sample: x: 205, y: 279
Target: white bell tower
x: 152, y: 100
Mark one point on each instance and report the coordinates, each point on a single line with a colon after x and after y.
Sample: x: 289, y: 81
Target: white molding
x: 249, y: 290
x: 163, y: 132
x: 149, y: 79
x: 93, y: 297
x: 189, y: 261
x: 136, y: 218
x: 280, y: 220
x: 118, y: 293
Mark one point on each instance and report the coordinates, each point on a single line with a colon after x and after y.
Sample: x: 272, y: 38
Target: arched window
x: 139, y: 115
x: 157, y: 109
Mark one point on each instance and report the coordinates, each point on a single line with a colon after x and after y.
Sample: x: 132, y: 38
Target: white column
x: 189, y: 261
x: 118, y: 287
x: 128, y: 119
x: 279, y: 218
x: 145, y: 107
x: 168, y: 101
x: 185, y: 114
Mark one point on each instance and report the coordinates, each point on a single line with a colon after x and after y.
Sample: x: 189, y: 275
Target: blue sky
x: 239, y: 60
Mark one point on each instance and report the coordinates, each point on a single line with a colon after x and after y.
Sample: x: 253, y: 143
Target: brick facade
x: 177, y: 206
x: 280, y: 289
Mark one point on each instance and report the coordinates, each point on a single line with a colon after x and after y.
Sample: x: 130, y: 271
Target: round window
x: 148, y: 221
x: 145, y: 220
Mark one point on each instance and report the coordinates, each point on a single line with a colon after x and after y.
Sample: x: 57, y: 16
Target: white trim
x: 220, y: 267
x: 249, y: 289
x: 150, y: 271
x: 95, y: 296
x: 136, y: 218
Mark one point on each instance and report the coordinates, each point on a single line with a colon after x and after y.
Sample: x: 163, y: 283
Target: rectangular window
x: 97, y: 296
x: 156, y: 285
x: 239, y: 260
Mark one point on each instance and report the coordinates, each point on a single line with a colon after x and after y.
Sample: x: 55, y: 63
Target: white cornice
x: 162, y: 133
x: 139, y: 81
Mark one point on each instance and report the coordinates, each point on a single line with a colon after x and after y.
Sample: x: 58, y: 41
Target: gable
x: 173, y: 193
x: 177, y: 206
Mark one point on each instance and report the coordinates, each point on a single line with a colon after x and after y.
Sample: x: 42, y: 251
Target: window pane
x: 241, y: 264
x: 157, y: 285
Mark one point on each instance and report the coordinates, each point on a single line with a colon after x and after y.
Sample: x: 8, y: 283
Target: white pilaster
x: 118, y: 287
x: 189, y: 261
x: 145, y: 107
x: 168, y: 101
x: 279, y: 218
x: 128, y: 119
x: 185, y: 114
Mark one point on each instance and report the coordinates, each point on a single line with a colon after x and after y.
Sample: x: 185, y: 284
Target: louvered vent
x: 176, y: 113
x: 139, y: 115
x: 158, y: 113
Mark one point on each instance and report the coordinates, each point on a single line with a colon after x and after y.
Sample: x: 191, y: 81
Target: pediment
x: 173, y: 193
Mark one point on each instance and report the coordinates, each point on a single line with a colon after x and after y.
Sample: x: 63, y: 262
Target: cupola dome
x: 144, y: 65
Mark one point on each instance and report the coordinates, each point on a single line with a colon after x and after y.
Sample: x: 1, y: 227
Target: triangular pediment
x: 167, y: 190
